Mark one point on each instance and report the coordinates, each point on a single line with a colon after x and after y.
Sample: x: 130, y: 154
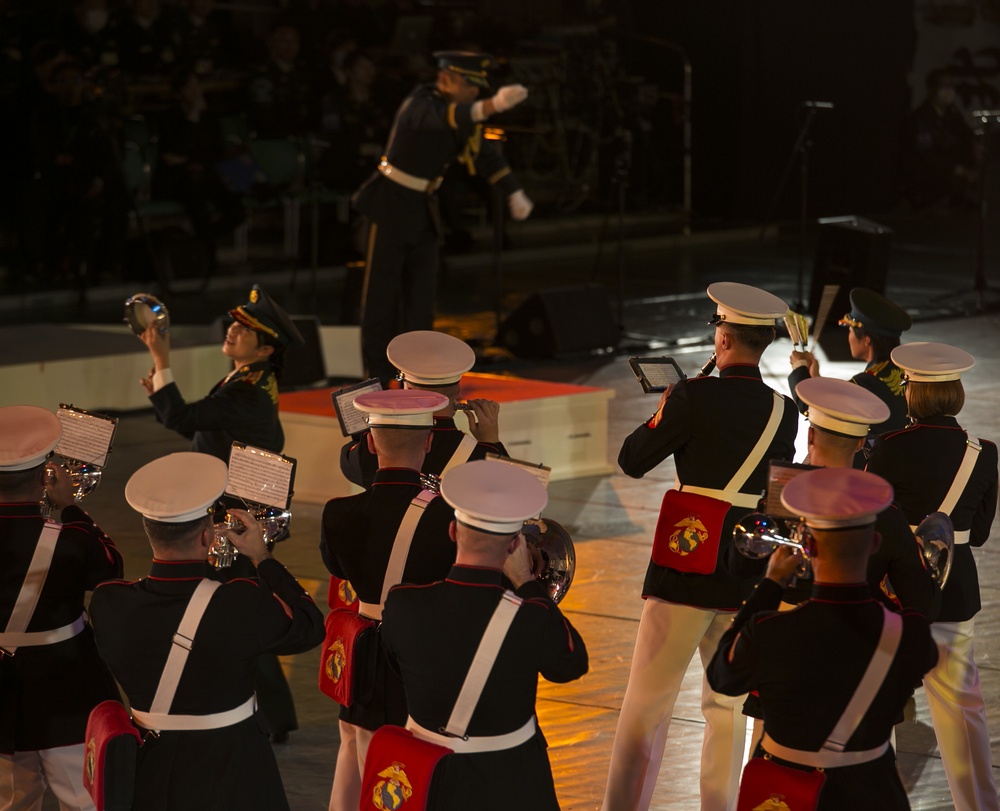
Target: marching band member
x: 714, y: 427
x: 434, y: 361
x: 208, y: 747
x: 432, y: 633
x: 807, y: 664
x: 361, y: 537
x: 875, y: 325
x: 936, y: 465
x: 51, y: 675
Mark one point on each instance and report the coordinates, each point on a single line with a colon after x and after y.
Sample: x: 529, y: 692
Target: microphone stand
x: 800, y: 152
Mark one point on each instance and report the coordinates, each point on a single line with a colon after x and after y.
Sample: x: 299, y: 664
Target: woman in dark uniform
x: 936, y: 465
x: 242, y: 407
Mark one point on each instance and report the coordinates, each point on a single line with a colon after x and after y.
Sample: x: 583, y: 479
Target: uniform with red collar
x: 230, y: 766
x: 709, y: 425
x: 921, y: 463
x: 807, y: 663
x: 358, y: 536
x: 49, y: 685
x: 491, y: 497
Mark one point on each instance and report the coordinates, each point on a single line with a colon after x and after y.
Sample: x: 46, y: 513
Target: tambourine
x: 143, y: 310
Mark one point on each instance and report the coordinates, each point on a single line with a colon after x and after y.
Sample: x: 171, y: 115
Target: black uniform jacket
x: 243, y: 408
x: 807, y: 662
x: 358, y: 464
x: 47, y: 691
x: 920, y: 462
x: 428, y: 133
x: 899, y: 558
x: 357, y: 538
x: 431, y: 634
x: 226, y: 768
x: 882, y: 378
x: 710, y: 425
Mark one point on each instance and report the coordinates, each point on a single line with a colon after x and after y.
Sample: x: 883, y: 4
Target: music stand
x: 800, y: 153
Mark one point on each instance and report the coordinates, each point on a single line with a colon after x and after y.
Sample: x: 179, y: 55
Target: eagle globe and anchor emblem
x: 776, y: 802
x: 90, y: 761
x: 689, y: 533
x: 336, y: 660
x: 393, y: 790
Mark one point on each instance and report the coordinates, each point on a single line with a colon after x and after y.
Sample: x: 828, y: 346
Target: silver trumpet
x: 553, y: 557
x: 274, y: 525
x: 757, y: 535
x: 936, y: 536
x: 84, y: 476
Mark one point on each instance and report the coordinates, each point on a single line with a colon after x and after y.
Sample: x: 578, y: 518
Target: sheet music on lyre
x: 353, y: 421
x: 259, y: 476
x: 540, y: 472
x: 86, y: 436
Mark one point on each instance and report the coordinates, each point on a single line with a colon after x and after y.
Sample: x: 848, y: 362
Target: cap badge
x: 254, y: 296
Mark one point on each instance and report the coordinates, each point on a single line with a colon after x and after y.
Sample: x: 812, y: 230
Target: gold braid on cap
x: 248, y: 320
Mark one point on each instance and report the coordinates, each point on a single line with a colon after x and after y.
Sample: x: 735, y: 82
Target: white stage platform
x: 98, y: 368
x: 561, y: 426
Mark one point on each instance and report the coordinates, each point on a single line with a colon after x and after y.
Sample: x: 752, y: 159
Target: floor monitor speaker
x: 560, y: 321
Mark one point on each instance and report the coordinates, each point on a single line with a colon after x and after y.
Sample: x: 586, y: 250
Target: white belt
x: 164, y: 722
x: 479, y: 743
x: 734, y: 497
x: 961, y: 536
x: 27, y: 639
x: 371, y: 610
x: 825, y: 758
x: 407, y: 180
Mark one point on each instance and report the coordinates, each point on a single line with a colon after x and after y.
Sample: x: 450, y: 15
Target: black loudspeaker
x: 851, y: 252
x: 560, y: 321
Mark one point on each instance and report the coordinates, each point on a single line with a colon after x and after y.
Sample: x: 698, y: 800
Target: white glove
x: 508, y: 96
x: 520, y: 204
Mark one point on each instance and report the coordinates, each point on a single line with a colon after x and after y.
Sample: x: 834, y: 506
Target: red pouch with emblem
x: 341, y: 594
x: 347, y: 661
x: 770, y: 786
x: 112, y: 745
x: 399, y: 768
x: 688, y: 532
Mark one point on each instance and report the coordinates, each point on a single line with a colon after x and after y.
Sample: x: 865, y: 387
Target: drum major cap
x: 264, y: 314
x: 429, y: 358
x: 400, y: 408
x: 925, y: 362
x: 874, y: 313
x: 28, y: 434
x: 470, y: 65
x: 841, y: 406
x: 837, y: 497
x: 493, y: 496
x: 737, y: 303
x: 178, y: 487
